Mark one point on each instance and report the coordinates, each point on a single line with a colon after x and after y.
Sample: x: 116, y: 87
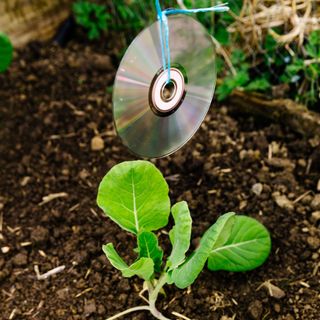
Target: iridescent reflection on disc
x: 145, y: 133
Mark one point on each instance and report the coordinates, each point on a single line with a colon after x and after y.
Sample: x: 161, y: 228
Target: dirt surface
x: 57, y: 140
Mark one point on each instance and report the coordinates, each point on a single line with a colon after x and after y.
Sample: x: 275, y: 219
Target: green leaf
x: 6, y: 52
x: 270, y: 44
x: 148, y: 248
x: 261, y: 84
x: 237, y: 56
x: 314, y: 38
x: 180, y: 234
x: 313, y: 50
x: 142, y: 268
x: 224, y: 90
x: 220, y: 65
x: 222, y: 35
x: 241, y: 78
x: 93, y: 33
x: 134, y: 194
x: 247, y: 248
x: 216, y: 235
x: 231, y: 82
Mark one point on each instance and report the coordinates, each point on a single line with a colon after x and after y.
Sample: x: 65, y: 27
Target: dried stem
x: 123, y: 313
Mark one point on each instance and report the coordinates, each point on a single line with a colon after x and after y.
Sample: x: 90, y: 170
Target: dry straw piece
x: 297, y: 18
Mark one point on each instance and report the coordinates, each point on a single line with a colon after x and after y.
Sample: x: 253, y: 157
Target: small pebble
x: 277, y: 307
x: 315, y: 216
x: 5, y: 249
x: 283, y: 202
x: 318, y: 185
x: 313, y: 242
x: 24, y: 181
x: 257, y: 188
x: 101, y: 310
x: 39, y: 234
x: 97, y: 143
x: 89, y: 307
x: 63, y: 293
x: 281, y: 163
x: 255, y: 310
x: 302, y: 162
x: 315, y: 204
x: 20, y: 260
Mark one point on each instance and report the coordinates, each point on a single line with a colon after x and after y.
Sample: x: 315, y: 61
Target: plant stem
x: 118, y: 315
x: 153, y: 295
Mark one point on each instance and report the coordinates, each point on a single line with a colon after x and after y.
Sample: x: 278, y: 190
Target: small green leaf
x: 180, y: 234
x: 6, y: 52
x: 247, y: 247
x: 270, y: 44
x: 134, y: 194
x: 314, y: 38
x: 237, y: 56
x: 313, y: 50
x: 261, y: 84
x: 222, y: 35
x: 217, y: 234
x: 231, y: 82
x: 142, y: 268
x: 148, y: 248
x: 93, y: 33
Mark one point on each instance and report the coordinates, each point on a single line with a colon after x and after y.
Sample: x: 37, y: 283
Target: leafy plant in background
x: 135, y: 196
x: 91, y: 16
x: 304, y: 73
x: 6, y: 52
x: 272, y: 66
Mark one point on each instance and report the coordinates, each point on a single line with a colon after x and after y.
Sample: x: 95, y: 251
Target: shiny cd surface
x: 152, y: 118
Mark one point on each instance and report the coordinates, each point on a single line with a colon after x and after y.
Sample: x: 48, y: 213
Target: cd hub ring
x: 165, y: 98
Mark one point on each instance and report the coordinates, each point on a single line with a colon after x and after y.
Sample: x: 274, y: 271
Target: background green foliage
x: 274, y: 69
x: 93, y: 17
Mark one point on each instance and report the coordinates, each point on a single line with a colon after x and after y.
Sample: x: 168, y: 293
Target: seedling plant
x: 134, y: 195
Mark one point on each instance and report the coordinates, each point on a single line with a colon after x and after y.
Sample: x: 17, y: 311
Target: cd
x: 153, y: 118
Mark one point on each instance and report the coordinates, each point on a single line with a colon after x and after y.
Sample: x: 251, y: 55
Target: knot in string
x: 164, y: 29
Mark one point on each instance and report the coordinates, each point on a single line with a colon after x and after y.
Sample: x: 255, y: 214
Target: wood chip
x: 24, y: 181
x: 25, y: 244
x: 273, y: 290
x: 83, y: 292
x: 42, y: 253
x: 304, y: 284
x: 12, y: 314
x: 180, y: 316
x: 52, y: 196
x: 48, y: 274
x: 301, y: 197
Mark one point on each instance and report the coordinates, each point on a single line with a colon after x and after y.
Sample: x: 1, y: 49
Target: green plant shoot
x: 91, y: 16
x: 135, y: 196
x: 6, y: 52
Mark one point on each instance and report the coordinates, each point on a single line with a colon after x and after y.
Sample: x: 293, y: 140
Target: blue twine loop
x: 164, y: 29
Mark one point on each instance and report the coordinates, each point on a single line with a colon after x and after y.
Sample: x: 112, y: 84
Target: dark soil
x: 53, y: 102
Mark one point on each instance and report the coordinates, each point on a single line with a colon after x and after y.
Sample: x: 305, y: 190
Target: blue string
x: 164, y: 29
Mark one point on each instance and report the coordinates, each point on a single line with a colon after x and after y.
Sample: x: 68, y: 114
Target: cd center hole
x: 169, y: 91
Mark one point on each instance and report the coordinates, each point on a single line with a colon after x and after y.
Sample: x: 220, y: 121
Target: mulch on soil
x: 53, y: 103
